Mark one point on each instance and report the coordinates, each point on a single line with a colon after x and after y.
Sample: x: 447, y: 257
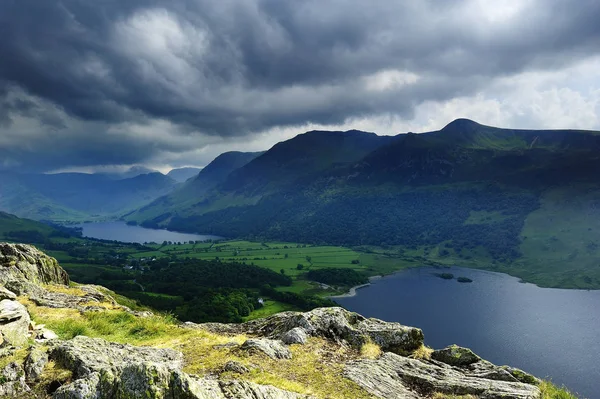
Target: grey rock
x: 92, y: 300
x: 296, y: 335
x: 393, y: 376
x: 25, y: 263
x: 270, y: 347
x: 455, y: 356
x: 244, y: 389
x: 13, y: 383
x: 34, y: 364
x: 235, y: 367
x: 335, y: 324
x: 45, y: 335
x: 85, y: 355
x: 14, y: 323
x: 83, y: 388
x: 6, y: 294
x: 522, y: 376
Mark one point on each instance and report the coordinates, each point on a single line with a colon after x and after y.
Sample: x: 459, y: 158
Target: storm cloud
x: 92, y: 83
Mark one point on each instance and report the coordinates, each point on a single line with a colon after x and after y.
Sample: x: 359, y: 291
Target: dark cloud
x: 233, y: 68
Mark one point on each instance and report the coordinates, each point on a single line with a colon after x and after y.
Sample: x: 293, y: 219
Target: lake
x: 551, y: 333
x: 121, y: 231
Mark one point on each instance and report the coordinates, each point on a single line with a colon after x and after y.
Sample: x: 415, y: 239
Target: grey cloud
x: 232, y: 68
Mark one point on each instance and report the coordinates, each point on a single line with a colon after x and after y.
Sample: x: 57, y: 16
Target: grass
x: 370, y: 350
x: 561, y: 240
x: 423, y: 353
x: 270, y: 307
x: 551, y: 391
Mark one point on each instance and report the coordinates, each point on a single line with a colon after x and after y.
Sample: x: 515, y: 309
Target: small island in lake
x: 445, y: 276
x: 464, y: 280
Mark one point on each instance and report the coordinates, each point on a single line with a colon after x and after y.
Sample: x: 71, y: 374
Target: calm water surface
x: 552, y: 333
x: 120, y: 231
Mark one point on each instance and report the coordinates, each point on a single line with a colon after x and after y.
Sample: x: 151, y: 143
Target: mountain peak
x: 461, y: 124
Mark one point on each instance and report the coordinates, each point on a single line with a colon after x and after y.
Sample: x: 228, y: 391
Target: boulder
x: 393, y: 376
x: 295, y: 336
x: 14, y: 323
x: 235, y: 367
x: 29, y: 266
x: 12, y: 382
x: 270, y: 347
x: 455, y: 356
x: 6, y: 294
x: 35, y: 363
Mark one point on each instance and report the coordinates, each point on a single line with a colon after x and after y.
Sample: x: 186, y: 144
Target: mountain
x: 129, y: 173
x: 468, y: 194
x: 186, y: 195
x: 78, y: 196
x: 183, y: 174
x: 89, y: 344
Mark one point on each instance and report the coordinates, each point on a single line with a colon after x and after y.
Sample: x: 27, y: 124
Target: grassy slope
x: 10, y: 223
x: 561, y: 240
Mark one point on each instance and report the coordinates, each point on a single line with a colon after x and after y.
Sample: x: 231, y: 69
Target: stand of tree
x: 337, y: 276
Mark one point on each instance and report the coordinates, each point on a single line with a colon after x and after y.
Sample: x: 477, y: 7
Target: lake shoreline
x: 123, y: 232
x: 352, y: 292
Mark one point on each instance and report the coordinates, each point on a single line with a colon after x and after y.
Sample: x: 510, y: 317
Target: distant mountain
x: 78, y: 196
x: 466, y: 194
x: 187, y: 194
x: 129, y: 173
x: 183, y: 174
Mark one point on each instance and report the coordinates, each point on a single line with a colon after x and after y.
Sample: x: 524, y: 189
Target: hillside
x: 64, y: 341
x: 78, y: 196
x: 469, y: 194
x: 188, y: 194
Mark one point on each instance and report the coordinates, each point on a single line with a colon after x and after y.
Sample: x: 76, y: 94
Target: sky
x: 106, y: 84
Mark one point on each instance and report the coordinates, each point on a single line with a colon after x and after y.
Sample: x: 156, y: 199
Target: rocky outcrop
x: 14, y: 323
x: 24, y: 266
x: 108, y: 370
x: 34, y: 364
x: 393, y: 376
x: 335, y: 324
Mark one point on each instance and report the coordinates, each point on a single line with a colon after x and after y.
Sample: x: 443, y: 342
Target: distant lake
x: 121, y: 231
x: 551, y: 333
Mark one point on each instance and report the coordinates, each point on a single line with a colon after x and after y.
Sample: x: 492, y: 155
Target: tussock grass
x: 63, y: 289
x: 447, y: 396
x: 551, y: 391
x: 424, y: 352
x: 370, y: 350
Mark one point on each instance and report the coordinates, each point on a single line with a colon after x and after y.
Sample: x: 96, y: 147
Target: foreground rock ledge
x: 108, y: 370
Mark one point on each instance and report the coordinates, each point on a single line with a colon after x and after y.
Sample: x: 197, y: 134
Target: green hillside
x: 15, y: 229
